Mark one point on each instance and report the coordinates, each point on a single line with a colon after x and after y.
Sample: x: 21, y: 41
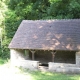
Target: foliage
x: 3, y: 9
x: 3, y: 61
x: 43, y: 9
x: 32, y: 10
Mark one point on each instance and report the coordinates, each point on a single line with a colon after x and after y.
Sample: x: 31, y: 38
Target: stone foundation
x: 65, y: 68
x: 33, y: 65
x: 20, y: 58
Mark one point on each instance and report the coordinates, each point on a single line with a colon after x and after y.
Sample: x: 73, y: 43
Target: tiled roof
x: 47, y: 35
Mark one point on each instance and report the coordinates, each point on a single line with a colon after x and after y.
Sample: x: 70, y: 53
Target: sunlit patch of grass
x: 39, y: 75
x: 54, y: 76
x: 14, y: 73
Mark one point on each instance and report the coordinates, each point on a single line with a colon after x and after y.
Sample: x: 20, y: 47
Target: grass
x: 11, y: 73
x: 39, y: 75
x: 2, y: 61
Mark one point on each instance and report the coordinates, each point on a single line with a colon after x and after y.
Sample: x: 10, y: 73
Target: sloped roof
x: 47, y: 35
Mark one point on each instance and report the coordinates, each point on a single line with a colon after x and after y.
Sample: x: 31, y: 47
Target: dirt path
x: 9, y: 73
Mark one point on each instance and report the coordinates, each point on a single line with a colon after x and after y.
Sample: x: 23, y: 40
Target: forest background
x: 12, y: 12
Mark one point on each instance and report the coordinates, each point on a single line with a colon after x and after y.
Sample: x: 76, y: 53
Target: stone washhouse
x: 54, y: 44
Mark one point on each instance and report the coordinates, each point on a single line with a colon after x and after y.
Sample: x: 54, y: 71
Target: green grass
x: 8, y: 73
x: 39, y: 75
x: 3, y: 61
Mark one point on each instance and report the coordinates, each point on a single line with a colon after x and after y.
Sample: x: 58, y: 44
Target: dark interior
x: 60, y: 57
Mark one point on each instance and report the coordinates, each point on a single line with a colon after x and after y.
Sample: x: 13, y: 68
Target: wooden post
x: 33, y: 51
x: 53, y: 55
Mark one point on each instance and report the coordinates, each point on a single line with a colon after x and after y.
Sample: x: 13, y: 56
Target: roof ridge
x: 51, y: 20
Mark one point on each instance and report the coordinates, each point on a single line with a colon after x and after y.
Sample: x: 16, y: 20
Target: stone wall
x: 29, y: 64
x: 17, y: 54
x: 63, y: 67
x: 20, y: 58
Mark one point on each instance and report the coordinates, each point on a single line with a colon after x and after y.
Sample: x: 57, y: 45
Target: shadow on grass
x: 39, y: 75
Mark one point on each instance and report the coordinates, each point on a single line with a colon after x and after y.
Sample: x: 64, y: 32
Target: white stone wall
x: 63, y: 67
x: 19, y: 59
x: 17, y: 54
x: 66, y: 68
x: 29, y: 64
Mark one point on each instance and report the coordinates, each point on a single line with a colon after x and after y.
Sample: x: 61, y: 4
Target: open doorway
x: 65, y: 57
x: 44, y: 57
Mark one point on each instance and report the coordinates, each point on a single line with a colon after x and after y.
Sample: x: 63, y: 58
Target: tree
x: 3, y: 9
x: 19, y: 10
